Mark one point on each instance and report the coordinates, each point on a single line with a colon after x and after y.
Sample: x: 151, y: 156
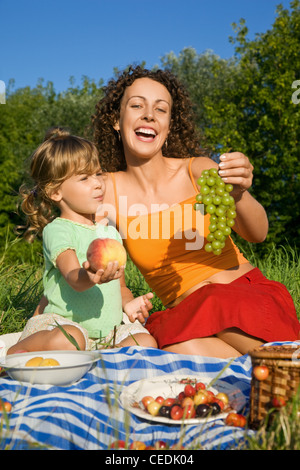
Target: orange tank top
x: 167, y: 245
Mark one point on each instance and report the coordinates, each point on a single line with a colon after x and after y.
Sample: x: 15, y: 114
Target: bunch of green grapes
x: 215, y: 195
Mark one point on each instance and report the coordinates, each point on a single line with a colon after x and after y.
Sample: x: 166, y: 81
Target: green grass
x: 21, y: 289
x: 281, y: 430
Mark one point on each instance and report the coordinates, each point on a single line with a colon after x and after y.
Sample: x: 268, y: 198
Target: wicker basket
x: 283, y: 380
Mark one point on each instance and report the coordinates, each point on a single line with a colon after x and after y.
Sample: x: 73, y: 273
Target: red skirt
x: 254, y: 304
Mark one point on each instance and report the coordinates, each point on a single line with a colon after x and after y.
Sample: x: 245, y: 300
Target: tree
x: 211, y: 82
x: 246, y: 104
x: 24, y: 119
x: 270, y: 65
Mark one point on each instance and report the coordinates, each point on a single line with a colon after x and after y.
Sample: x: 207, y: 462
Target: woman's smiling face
x: 144, y: 118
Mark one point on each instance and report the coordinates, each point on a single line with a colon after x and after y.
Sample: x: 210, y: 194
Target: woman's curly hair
x: 183, y: 140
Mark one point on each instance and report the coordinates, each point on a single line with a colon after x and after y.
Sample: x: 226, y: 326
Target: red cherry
x: 189, y: 412
x: 220, y: 403
x: 6, y: 406
x: 232, y: 419
x: 235, y: 419
x: 261, y: 372
x: 137, y: 445
x: 181, y: 396
x: 278, y: 401
x: 153, y: 408
x: 200, y: 398
x: 169, y: 401
x: 187, y: 401
x: 176, y: 447
x: 243, y: 421
x: 176, y: 412
x: 160, y: 445
x: 210, y: 396
x: 146, y: 400
x: 160, y: 399
x: 189, y: 390
x: 223, y: 397
x: 200, y: 386
x: 118, y: 445
x: 188, y: 407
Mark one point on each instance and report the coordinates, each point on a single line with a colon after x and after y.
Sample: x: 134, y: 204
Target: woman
x: 215, y: 305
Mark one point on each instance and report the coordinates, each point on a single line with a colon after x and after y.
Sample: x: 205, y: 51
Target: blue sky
x: 57, y: 39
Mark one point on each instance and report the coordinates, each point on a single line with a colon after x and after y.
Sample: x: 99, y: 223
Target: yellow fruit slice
x: 34, y: 362
x: 49, y: 362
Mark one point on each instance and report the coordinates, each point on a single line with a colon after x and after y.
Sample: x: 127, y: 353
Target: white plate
x: 170, y: 386
x: 73, y: 366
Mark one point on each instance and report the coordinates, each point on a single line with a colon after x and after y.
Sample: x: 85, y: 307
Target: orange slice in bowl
x: 34, y: 362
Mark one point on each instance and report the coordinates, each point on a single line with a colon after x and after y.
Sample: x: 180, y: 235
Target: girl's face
x: 79, y: 196
x: 145, y: 116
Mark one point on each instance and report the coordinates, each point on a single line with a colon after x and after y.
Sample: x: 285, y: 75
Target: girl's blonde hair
x: 60, y: 156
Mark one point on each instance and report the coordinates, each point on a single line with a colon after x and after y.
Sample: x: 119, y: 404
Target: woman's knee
x: 240, y: 340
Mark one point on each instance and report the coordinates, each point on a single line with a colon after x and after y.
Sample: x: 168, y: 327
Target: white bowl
x: 73, y: 366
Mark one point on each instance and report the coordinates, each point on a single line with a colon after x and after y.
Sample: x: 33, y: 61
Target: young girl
x: 88, y: 305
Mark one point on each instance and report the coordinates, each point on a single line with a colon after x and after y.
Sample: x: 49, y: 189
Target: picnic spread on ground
x: 94, y: 412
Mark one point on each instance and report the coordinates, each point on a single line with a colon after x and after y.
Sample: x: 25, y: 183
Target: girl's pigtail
x: 56, y: 133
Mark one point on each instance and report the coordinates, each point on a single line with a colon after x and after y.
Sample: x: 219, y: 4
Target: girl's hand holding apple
x: 111, y: 272
x: 106, y: 259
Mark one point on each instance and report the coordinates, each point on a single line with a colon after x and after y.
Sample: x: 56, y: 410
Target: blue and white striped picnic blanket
x: 87, y: 415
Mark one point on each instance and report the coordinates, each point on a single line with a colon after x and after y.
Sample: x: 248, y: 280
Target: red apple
x: 103, y: 250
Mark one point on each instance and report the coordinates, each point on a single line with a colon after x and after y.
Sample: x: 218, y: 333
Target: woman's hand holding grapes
x: 235, y: 168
